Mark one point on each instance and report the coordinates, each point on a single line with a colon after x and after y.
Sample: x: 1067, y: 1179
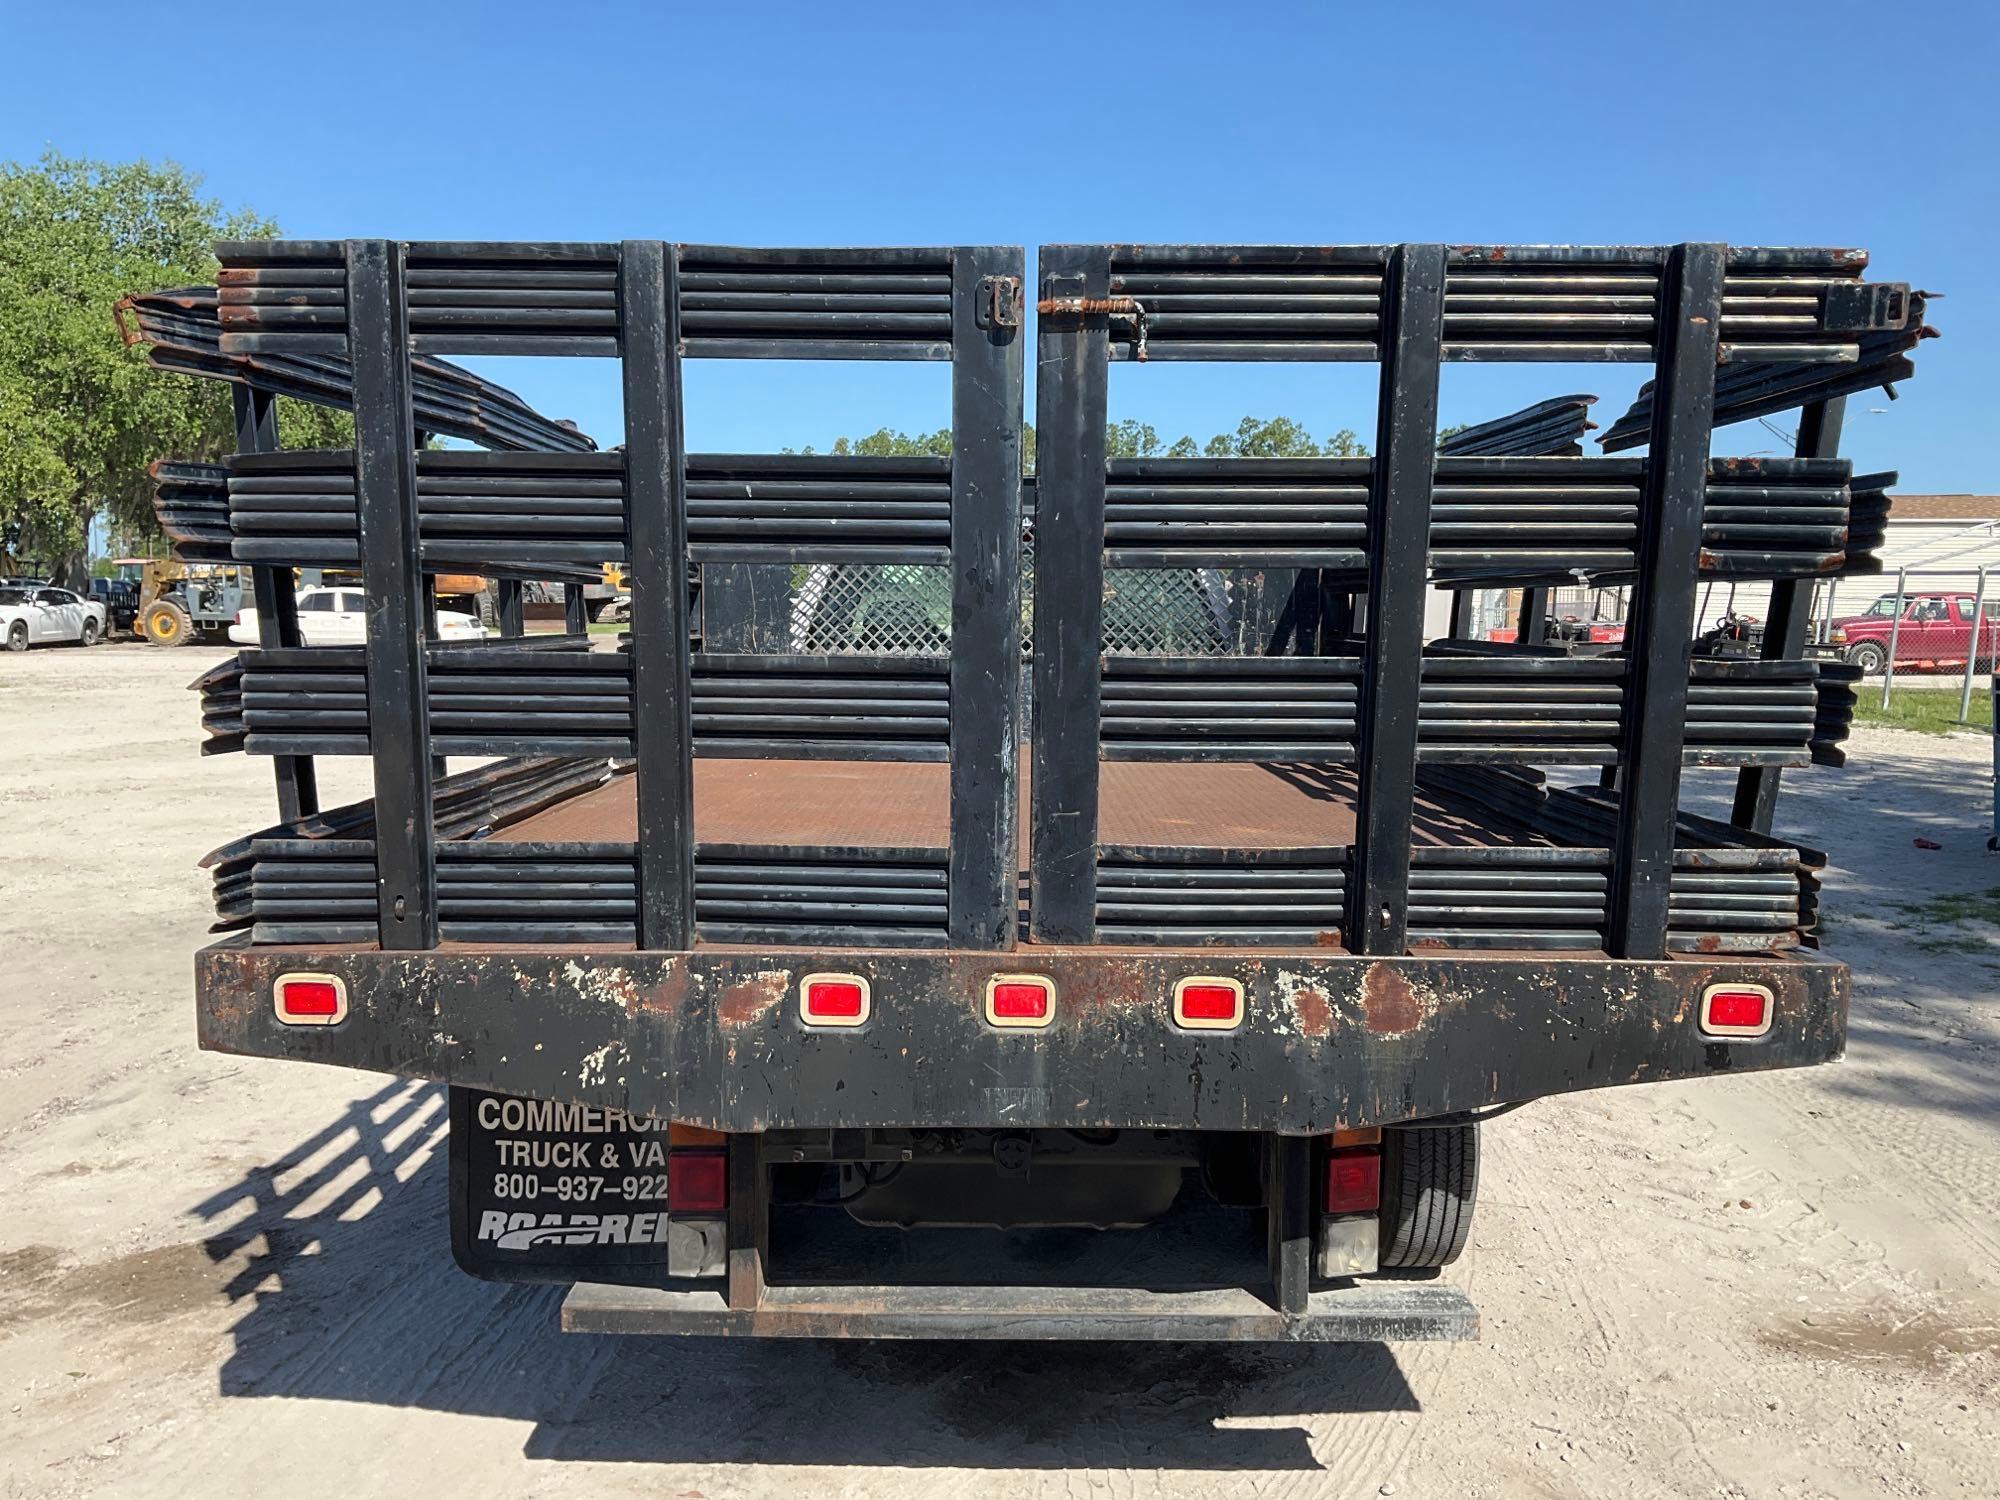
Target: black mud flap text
x: 556, y: 1192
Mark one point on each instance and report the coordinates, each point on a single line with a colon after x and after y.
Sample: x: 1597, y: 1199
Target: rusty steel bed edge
x: 713, y: 1037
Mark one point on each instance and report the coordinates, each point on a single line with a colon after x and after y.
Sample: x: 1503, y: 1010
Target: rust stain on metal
x: 748, y: 1002
x: 1315, y: 1015
x: 1115, y: 985
x: 1088, y: 305
x: 1388, y: 1002
x: 668, y: 996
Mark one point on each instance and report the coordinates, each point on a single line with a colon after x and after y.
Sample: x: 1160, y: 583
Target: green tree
x: 1130, y: 439
x: 1255, y: 437
x: 1281, y: 437
x: 81, y: 415
x: 885, y: 443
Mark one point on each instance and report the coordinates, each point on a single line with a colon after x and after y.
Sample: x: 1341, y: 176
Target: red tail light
x: 1736, y: 1010
x: 1208, y: 1004
x: 698, y: 1181
x: 1020, y: 1000
x: 1354, y: 1181
x: 833, y: 999
x: 309, y: 999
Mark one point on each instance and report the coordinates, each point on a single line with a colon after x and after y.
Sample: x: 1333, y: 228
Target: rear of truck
x: 1104, y: 903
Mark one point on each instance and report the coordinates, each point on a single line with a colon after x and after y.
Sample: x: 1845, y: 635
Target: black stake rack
x: 1406, y: 736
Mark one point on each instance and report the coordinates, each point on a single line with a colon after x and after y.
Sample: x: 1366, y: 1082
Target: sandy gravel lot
x: 224, y: 1276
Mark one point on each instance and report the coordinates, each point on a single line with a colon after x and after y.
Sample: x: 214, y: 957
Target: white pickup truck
x: 336, y: 617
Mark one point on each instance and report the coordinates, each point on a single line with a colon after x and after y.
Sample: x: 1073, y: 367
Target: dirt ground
x: 222, y: 1275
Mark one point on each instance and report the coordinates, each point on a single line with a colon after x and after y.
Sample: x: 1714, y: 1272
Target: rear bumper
x: 713, y: 1036
x: 1361, y: 1312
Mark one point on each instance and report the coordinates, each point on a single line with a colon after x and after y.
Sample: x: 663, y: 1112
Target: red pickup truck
x: 1935, y: 631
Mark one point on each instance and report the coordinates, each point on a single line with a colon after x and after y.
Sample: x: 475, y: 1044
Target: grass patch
x: 1941, y: 922
x: 1926, y: 710
x: 606, y: 627
x: 1956, y: 906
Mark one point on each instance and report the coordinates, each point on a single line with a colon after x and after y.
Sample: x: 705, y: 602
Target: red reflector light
x: 697, y: 1181
x: 833, y: 999
x: 1354, y: 1181
x: 1020, y: 1000
x: 1736, y: 1010
x: 309, y: 999
x: 1208, y: 1004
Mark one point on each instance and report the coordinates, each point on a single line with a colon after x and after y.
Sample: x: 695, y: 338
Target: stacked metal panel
x: 1880, y: 359
x: 1568, y: 303
x: 1476, y: 705
x: 1277, y: 897
x: 1554, y: 427
x: 534, y: 697
x: 323, y: 891
x: 563, y: 299
x: 1496, y: 521
x: 184, y: 332
x: 191, y: 503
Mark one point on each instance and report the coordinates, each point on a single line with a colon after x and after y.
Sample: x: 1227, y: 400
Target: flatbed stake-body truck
x: 885, y: 936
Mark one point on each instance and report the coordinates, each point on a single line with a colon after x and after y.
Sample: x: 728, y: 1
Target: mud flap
x: 546, y: 1192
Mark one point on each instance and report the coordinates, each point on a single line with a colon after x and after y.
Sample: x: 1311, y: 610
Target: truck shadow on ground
x: 339, y: 1256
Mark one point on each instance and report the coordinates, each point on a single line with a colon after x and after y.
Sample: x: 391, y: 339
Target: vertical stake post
x: 1785, y: 623
x: 1399, y: 524
x: 385, y: 486
x: 983, y: 875
x: 1072, y: 351
x: 655, y: 497
x: 1659, y: 635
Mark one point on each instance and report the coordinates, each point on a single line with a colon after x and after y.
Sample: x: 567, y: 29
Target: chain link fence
x: 844, y: 608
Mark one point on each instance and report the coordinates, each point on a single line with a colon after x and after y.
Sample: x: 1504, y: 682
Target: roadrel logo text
x: 505, y: 1231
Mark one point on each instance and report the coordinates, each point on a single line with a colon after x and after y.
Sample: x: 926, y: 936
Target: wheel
x: 89, y: 636
x: 1430, y: 1181
x: 17, y: 636
x: 1868, y: 656
x: 167, y: 624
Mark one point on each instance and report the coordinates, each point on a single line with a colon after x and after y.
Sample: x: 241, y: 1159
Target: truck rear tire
x: 1430, y: 1181
x: 167, y: 624
x: 1868, y: 656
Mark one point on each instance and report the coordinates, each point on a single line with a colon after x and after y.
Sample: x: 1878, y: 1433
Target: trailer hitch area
x: 1117, y: 307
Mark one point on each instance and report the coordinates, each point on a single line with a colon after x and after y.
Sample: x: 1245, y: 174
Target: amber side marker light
x: 1737, y: 1010
x: 1206, y: 1004
x: 834, y: 1000
x: 1023, y: 1000
x: 309, y: 999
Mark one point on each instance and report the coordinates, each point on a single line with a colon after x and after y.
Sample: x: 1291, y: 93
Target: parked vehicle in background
x: 46, y: 616
x: 337, y: 617
x: 120, y: 598
x: 182, y: 602
x: 1935, y: 630
x: 1732, y: 636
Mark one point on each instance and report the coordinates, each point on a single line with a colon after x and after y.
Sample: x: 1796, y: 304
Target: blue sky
x: 1019, y: 124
